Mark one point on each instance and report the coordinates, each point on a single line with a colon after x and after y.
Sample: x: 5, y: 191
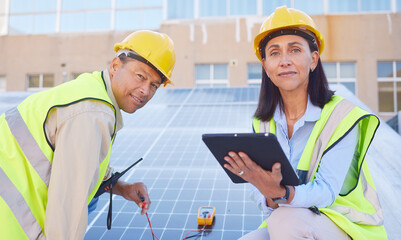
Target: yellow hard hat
x: 287, y: 18
x: 156, y: 48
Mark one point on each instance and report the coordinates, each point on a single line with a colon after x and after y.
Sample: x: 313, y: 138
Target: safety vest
x: 356, y: 210
x: 26, y: 155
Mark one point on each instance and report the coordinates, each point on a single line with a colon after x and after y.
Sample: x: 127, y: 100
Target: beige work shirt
x: 80, y: 134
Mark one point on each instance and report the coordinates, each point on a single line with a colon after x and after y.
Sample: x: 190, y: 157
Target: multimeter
x: 206, y: 215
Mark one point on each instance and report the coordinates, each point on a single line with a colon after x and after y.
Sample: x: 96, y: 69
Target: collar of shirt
x: 312, y: 114
x: 106, y: 77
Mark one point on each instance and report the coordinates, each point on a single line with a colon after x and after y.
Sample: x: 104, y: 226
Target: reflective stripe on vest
x: 26, y: 200
x: 267, y: 126
x: 361, y: 217
x: 340, y: 111
x: 39, y: 162
x: 20, y: 208
x: 28, y: 144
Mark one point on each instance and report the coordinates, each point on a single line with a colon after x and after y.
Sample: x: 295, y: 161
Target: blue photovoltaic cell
x: 182, y: 175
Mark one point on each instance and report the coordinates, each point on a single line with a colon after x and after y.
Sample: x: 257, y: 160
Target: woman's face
x: 288, y: 61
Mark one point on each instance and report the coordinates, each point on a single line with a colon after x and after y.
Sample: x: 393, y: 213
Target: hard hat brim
x: 259, y: 38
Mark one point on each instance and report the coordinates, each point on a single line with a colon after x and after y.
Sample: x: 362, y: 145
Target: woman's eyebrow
x: 273, y: 46
x: 294, y: 43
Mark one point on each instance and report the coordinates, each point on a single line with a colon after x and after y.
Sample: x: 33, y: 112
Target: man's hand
x: 133, y: 192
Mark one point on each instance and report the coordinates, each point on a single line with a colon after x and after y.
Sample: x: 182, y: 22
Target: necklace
x: 299, y: 115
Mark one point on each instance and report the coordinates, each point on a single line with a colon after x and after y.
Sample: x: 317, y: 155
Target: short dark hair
x: 269, y: 97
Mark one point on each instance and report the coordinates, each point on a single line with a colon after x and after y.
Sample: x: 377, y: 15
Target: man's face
x: 133, y: 83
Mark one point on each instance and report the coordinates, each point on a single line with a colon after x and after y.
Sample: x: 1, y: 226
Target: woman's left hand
x: 267, y: 182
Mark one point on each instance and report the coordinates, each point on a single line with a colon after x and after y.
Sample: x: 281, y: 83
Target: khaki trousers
x: 297, y: 223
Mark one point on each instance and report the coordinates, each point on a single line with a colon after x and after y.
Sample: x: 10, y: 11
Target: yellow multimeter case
x: 206, y: 215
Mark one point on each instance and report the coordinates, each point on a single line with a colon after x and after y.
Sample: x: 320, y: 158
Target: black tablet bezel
x: 262, y: 148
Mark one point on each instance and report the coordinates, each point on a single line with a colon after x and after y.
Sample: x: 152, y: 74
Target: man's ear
x: 114, y: 66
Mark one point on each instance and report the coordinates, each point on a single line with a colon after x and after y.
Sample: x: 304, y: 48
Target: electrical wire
x: 200, y: 231
x: 150, y: 225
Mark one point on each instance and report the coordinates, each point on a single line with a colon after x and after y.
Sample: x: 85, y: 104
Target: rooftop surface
x: 182, y: 175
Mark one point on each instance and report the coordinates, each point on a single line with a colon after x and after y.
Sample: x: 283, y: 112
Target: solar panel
x: 179, y: 171
x: 182, y: 175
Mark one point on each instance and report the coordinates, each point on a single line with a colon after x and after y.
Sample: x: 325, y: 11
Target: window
x: 3, y: 26
x: 314, y: 7
x: 133, y: 15
x: 44, y: 23
x: 343, y: 6
x: 374, y: 5
x: 389, y: 85
x: 212, y: 8
x: 211, y: 75
x: 68, y: 5
x: 151, y: 18
x: 72, y: 22
x: 40, y: 81
x: 254, y: 74
x: 270, y: 5
x: 309, y: 7
x: 51, y: 16
x: 343, y: 73
x: 241, y: 7
x: 152, y: 3
x: 2, y: 83
x: 96, y: 21
x: 32, y: 16
x: 18, y: 24
x: 138, y: 19
x: 346, y: 6
x: 85, y: 21
x: 20, y: 6
x: 138, y: 3
x: 3, y: 18
x: 43, y: 5
x: 96, y: 4
x: 180, y: 9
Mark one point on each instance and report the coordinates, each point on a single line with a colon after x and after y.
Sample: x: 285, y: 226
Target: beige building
x: 362, y: 52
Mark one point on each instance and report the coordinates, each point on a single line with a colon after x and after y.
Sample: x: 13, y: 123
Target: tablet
x: 262, y: 148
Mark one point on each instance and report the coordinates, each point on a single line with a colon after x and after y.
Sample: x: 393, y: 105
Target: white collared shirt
x: 333, y: 168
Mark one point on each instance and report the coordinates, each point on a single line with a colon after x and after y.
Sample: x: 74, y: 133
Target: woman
x: 324, y: 137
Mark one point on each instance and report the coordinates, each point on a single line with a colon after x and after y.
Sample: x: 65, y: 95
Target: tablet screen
x: 262, y: 148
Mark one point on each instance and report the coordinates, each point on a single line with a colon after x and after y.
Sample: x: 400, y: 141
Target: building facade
x: 44, y: 43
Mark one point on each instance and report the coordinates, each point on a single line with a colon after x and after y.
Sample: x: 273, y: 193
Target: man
x: 55, y: 145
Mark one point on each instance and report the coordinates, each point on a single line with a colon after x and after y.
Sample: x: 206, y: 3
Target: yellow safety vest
x: 356, y: 209
x: 26, y: 155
